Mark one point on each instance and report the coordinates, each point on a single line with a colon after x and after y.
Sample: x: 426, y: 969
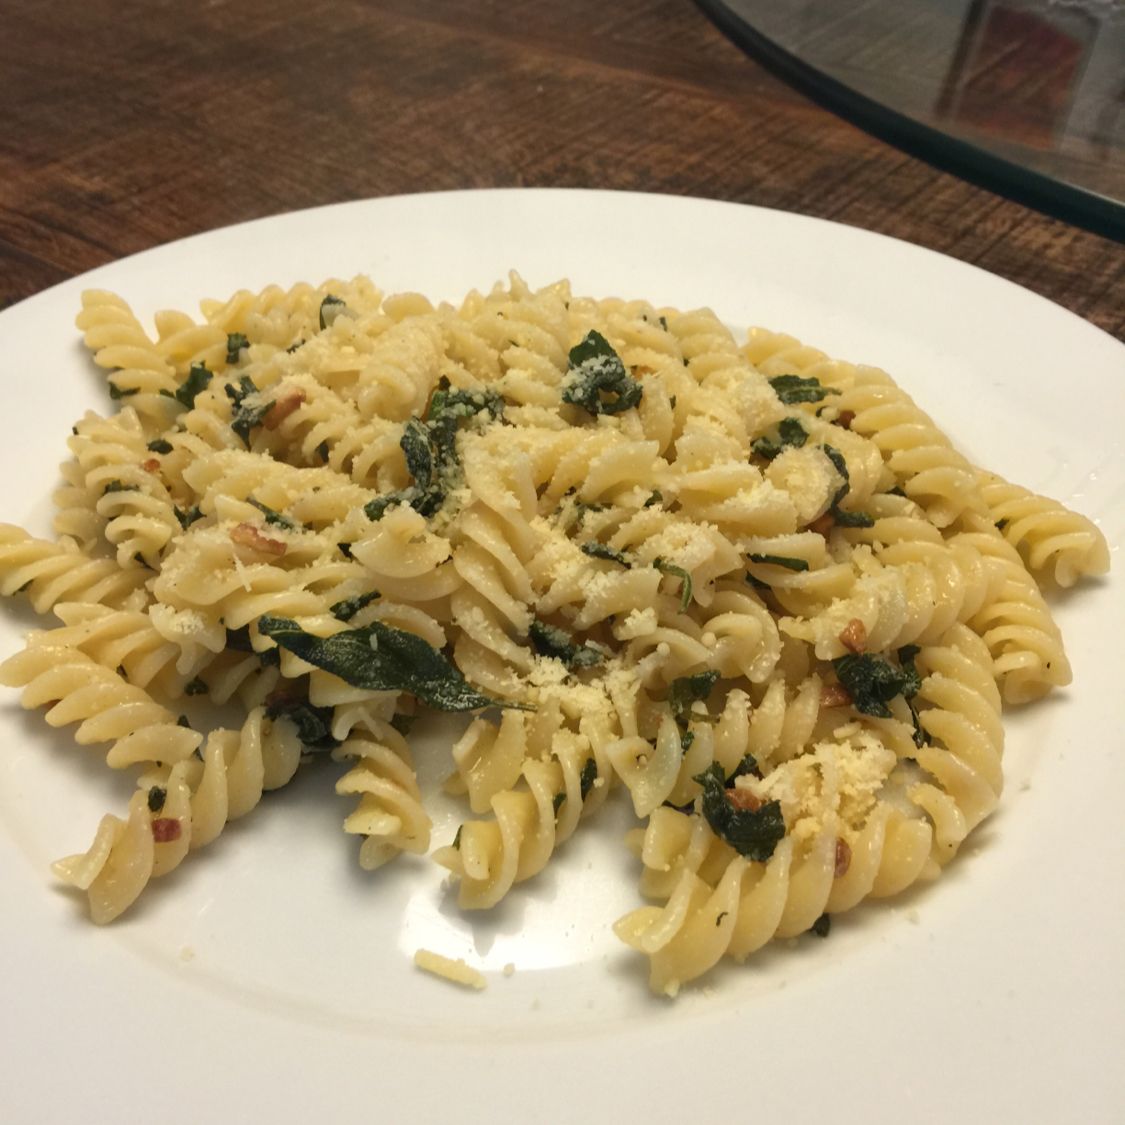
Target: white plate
x: 269, y: 978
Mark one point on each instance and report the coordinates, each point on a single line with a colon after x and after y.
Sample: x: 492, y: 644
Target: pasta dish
x: 750, y: 589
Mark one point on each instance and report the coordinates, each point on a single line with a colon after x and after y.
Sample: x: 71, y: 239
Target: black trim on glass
x: 1094, y: 212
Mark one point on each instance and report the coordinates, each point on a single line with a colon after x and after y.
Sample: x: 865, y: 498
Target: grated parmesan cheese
x: 638, y: 623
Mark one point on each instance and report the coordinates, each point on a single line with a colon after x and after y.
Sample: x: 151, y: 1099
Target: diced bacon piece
x: 854, y: 636
x: 283, y: 406
x: 247, y: 535
x: 743, y: 800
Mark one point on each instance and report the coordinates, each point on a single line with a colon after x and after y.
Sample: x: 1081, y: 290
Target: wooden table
x: 132, y: 124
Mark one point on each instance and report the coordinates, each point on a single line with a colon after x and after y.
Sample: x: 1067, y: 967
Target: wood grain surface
x: 131, y: 124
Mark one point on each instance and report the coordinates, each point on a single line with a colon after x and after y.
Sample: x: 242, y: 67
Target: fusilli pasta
x: 752, y: 590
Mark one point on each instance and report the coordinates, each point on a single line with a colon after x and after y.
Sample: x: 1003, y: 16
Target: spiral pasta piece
x: 179, y: 808
x: 129, y: 642
x: 76, y: 689
x: 521, y: 336
x: 139, y: 372
x: 389, y: 814
x: 55, y: 572
x: 76, y: 509
x: 532, y: 818
x: 1027, y: 648
x: 123, y: 479
x: 184, y: 342
x: 1050, y: 537
x: 960, y: 711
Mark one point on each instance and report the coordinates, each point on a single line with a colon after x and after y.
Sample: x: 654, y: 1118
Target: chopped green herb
x: 911, y: 677
x: 182, y: 721
x: 270, y: 657
x: 873, y: 682
x: 159, y: 446
x: 597, y: 380
x: 349, y: 607
x: 419, y: 455
x: 851, y: 519
x: 790, y: 433
x: 600, y: 551
x: 118, y: 486
x: 822, y: 926
x: 450, y: 406
x: 549, y: 640
x: 272, y: 517
x: 322, y: 451
x: 380, y: 657
x: 330, y: 308
x: 580, y: 510
x: 663, y: 323
x: 781, y: 560
x: 754, y: 833
x: 314, y: 724
x: 841, y: 466
x: 457, y: 836
x: 345, y: 549
x: 587, y: 778
x: 686, y: 739
x: 558, y: 801
x: 686, y: 690
x: 195, y: 687
x: 657, y: 497
x: 721, y: 915
x: 189, y: 517
x: 748, y: 766
x: 840, y: 517
x: 376, y: 509
x: 430, y: 449
x: 293, y: 347
x: 246, y: 417
x: 1001, y: 524
x: 792, y: 389
x: 198, y: 378
x: 236, y: 341
x: 156, y: 798
x: 911, y: 685
x: 117, y: 393
x: 686, y: 590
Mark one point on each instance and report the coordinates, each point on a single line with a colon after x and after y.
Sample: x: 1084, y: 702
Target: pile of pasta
x: 754, y: 590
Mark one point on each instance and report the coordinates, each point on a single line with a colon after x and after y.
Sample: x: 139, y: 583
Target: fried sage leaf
x: 379, y: 657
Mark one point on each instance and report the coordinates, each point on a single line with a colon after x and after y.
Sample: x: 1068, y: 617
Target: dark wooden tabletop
x: 130, y: 124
